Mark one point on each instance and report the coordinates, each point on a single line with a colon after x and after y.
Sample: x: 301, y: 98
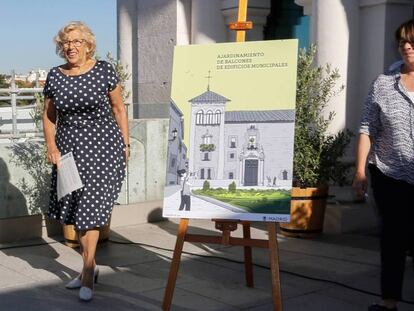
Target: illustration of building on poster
x: 231, y: 133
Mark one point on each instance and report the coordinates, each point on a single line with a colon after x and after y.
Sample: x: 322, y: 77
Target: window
x: 202, y: 173
x: 206, y: 156
x: 173, y: 163
x: 209, y: 173
x: 199, y: 117
x: 233, y: 142
x: 252, y: 126
x: 231, y: 156
x: 285, y: 175
x: 217, y: 117
x: 231, y: 175
x: 209, y: 117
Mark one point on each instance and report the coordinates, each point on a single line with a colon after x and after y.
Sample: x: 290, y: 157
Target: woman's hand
x: 49, y: 128
x: 127, y: 152
x: 360, y: 184
x: 53, y: 156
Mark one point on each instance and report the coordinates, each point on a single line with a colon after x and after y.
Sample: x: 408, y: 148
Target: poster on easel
x: 231, y: 131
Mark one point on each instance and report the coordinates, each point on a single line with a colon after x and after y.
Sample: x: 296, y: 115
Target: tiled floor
x: 133, y: 276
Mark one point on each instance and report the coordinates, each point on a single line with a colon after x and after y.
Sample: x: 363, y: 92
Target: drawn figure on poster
x: 185, y: 193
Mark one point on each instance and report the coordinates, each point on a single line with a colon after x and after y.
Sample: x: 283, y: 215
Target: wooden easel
x: 227, y: 226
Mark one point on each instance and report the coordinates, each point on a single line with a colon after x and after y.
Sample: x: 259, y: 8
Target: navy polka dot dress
x: 86, y: 127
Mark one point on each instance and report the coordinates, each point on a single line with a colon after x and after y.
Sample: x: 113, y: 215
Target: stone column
x: 127, y: 44
x: 257, y: 12
x: 260, y: 181
x: 334, y: 28
x: 157, y: 36
x: 207, y: 22
x: 184, y: 22
x: 222, y: 147
x: 192, y: 147
x: 241, y: 172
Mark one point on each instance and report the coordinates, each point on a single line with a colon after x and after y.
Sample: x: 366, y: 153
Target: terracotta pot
x: 307, y: 212
x: 71, y: 236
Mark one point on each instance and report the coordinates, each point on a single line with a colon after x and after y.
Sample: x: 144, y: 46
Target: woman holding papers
x: 84, y: 115
x: 386, y: 142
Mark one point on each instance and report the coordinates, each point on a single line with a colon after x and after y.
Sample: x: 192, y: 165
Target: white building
x: 30, y: 77
x: 177, y: 151
x: 38, y: 74
x: 251, y: 148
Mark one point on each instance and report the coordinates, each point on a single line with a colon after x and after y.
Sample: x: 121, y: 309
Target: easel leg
x: 175, y: 264
x: 274, y: 267
x: 248, y: 265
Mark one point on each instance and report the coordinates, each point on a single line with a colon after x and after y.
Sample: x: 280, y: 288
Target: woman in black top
x: 386, y: 142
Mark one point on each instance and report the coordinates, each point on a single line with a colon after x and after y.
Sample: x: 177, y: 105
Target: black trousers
x: 185, y: 202
x: 394, y: 200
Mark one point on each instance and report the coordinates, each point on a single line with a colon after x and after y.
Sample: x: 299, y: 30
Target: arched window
x: 217, y: 117
x: 199, y: 117
x: 209, y: 117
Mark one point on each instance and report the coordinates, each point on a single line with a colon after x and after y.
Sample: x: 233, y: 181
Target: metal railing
x: 13, y: 94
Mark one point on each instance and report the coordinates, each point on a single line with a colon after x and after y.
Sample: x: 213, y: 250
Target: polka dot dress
x: 86, y: 127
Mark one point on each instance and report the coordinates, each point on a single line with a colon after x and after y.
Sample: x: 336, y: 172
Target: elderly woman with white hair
x: 85, y: 114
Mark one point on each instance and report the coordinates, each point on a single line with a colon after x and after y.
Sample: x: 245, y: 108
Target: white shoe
x: 77, y: 282
x: 85, y: 293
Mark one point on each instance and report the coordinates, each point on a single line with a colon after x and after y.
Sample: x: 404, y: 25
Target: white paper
x: 68, y: 179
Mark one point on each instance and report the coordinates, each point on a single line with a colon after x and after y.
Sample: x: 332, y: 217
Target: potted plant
x: 317, y: 153
x: 207, y: 147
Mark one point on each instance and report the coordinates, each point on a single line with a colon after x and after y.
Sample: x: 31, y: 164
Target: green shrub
x: 232, y: 187
x: 207, y: 147
x: 206, y: 185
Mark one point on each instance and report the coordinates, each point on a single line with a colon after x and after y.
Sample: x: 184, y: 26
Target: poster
x: 231, y: 132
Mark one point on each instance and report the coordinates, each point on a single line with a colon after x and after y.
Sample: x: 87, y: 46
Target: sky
x: 27, y: 28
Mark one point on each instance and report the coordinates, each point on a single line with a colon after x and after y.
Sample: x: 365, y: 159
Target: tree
x: 318, y: 154
x: 232, y: 187
x: 3, y: 83
x: 206, y: 186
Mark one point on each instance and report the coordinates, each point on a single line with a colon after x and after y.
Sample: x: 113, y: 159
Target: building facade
x: 251, y: 148
x: 177, y: 161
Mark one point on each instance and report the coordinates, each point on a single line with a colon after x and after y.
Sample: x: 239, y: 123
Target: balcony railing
x: 12, y: 95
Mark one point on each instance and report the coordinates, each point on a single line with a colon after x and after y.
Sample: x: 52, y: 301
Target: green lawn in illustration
x: 252, y: 200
